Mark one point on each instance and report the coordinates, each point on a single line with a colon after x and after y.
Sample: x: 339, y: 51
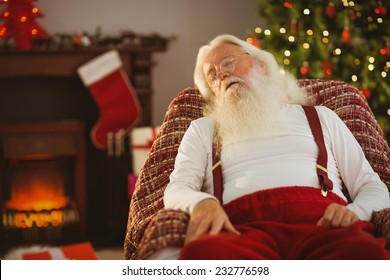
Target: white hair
x: 289, y: 86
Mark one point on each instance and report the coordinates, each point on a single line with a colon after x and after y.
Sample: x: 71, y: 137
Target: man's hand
x: 208, y: 216
x: 337, y: 216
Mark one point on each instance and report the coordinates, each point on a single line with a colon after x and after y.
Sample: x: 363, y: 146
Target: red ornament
x: 386, y: 50
x: 293, y: 26
x: 254, y: 41
x: 330, y: 10
x: 380, y: 9
x: 19, y: 23
x: 327, y: 68
x: 352, y: 15
x: 305, y: 69
x: 346, y: 35
x: 366, y: 92
x: 288, y: 4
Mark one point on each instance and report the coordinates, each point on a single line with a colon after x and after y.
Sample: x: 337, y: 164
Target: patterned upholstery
x: 150, y: 227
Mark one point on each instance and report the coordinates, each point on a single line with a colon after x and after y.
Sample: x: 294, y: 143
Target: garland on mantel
x: 84, y: 40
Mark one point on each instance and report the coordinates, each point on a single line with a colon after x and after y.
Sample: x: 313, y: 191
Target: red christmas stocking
x: 109, y: 85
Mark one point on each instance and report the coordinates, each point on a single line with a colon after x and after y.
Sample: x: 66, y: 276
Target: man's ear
x: 263, y: 67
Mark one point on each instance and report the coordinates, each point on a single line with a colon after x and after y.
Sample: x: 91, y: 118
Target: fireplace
x: 41, y: 88
x: 43, y: 188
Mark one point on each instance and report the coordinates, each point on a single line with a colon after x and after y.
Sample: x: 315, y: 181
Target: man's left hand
x: 337, y: 216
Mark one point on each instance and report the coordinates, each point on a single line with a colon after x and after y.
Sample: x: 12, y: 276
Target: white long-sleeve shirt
x: 286, y: 156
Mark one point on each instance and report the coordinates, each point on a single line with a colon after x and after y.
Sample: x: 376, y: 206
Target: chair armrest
x: 381, y: 220
x: 167, y: 229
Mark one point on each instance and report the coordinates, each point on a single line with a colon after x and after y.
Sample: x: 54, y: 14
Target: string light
x: 337, y: 51
x: 2, y: 31
x: 300, y: 39
x: 23, y: 19
x: 258, y: 30
x: 267, y: 32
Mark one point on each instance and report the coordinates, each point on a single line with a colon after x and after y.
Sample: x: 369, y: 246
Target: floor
x: 113, y: 253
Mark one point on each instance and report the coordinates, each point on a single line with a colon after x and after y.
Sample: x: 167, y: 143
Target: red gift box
x: 80, y: 251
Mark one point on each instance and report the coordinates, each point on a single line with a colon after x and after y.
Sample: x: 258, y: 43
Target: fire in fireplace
x: 42, y: 182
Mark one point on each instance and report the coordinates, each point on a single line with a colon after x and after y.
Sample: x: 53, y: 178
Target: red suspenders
x: 322, y: 159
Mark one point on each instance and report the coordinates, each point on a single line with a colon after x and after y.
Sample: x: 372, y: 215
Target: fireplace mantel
x: 62, y: 63
x: 137, y: 62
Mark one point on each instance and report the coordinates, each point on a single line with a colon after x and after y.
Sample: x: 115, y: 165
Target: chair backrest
x: 341, y: 97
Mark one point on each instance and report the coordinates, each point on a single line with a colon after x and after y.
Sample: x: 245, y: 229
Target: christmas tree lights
x: 341, y: 40
x: 19, y: 23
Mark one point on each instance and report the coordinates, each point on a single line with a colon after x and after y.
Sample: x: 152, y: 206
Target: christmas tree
x: 340, y: 40
x: 19, y: 23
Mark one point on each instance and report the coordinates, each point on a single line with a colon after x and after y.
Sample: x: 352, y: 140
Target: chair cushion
x: 151, y: 228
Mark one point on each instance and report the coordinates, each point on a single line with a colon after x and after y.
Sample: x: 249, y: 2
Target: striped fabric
x: 151, y: 228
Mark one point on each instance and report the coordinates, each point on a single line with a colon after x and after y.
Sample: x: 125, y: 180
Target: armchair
x: 151, y: 227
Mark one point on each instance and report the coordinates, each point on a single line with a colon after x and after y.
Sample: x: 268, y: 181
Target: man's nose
x: 221, y: 75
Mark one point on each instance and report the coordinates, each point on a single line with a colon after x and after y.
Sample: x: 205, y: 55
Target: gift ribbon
x: 149, y: 142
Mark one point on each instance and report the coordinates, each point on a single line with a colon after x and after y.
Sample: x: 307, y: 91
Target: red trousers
x: 281, y: 224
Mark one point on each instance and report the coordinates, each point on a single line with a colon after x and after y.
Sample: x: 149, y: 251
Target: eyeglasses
x: 226, y: 66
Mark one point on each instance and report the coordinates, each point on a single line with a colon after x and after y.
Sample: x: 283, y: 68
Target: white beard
x: 248, y: 108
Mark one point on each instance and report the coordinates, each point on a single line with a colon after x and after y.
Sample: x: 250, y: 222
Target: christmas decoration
x: 305, y: 69
x: 346, y: 35
x: 84, y: 40
x: 293, y: 26
x: 119, y: 107
x: 380, y: 9
x: 19, y: 23
x: 288, y: 4
x: 386, y: 50
x: 341, y: 40
x: 330, y: 10
x: 366, y: 92
x: 327, y: 68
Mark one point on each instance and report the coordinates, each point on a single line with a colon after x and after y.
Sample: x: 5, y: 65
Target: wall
x: 193, y: 22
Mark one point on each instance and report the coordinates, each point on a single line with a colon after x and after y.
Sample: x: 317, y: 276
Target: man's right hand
x: 208, y: 216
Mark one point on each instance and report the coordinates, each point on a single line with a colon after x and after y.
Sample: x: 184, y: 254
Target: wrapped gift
x: 78, y: 251
x: 142, y: 139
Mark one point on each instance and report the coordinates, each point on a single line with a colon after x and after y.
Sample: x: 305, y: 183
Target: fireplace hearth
x: 43, y: 187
